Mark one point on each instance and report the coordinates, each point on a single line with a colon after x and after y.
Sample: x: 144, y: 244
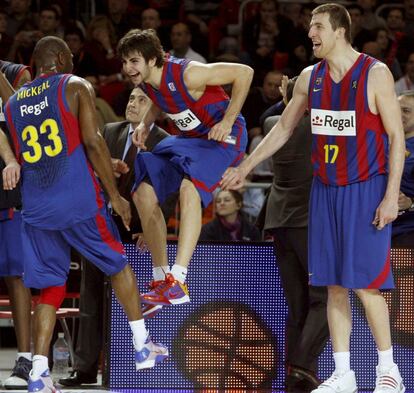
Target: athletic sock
x: 179, y: 273
x: 26, y: 355
x: 385, y: 359
x: 159, y: 272
x: 40, y: 365
x: 139, y: 332
x: 342, y: 362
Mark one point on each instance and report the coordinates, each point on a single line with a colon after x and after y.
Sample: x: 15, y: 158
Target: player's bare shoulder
x: 380, y: 77
x: 78, y: 85
x: 193, y: 74
x: 302, y: 84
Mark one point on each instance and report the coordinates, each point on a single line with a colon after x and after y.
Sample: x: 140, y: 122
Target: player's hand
x: 233, y: 178
x: 386, y: 212
x: 140, y: 136
x: 11, y: 175
x: 404, y: 202
x: 283, y: 86
x: 119, y: 167
x: 122, y: 207
x: 220, y: 131
x: 140, y: 245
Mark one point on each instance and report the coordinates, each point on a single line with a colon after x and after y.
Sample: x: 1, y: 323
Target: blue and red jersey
x: 194, y: 118
x: 349, y: 142
x: 59, y: 187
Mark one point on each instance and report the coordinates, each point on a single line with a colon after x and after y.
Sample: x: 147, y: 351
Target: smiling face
x: 136, y: 107
x: 322, y: 35
x: 136, y: 68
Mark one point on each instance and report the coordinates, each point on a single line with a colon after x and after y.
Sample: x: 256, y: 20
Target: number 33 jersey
x: 59, y: 187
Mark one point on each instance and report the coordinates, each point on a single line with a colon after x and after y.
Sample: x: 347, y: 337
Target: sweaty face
x: 136, y: 68
x: 137, y: 105
x: 407, y: 113
x: 322, y: 35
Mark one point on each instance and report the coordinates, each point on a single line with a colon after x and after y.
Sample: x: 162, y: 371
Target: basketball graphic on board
x: 226, y: 345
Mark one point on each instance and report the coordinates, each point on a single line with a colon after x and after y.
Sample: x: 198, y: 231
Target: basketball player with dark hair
x: 53, y: 124
x: 358, y: 157
x: 212, y: 138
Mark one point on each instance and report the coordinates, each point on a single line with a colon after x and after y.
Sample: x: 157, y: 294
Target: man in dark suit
x: 286, y: 217
x: 118, y: 137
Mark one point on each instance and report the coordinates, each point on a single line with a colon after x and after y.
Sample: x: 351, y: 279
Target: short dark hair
x: 338, y: 17
x: 146, y: 42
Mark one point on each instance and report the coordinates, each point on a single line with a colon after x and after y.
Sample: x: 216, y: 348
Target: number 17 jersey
x: 59, y: 188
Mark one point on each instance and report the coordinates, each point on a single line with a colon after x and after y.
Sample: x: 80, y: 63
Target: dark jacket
x: 215, y: 231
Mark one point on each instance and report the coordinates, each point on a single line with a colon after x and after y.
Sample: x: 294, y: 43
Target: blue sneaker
x: 42, y: 385
x: 150, y: 354
x: 150, y: 310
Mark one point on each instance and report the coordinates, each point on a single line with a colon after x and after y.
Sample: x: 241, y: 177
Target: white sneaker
x: 150, y: 354
x: 338, y: 383
x: 389, y: 381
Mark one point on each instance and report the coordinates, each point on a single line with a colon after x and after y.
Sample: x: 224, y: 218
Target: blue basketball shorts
x: 47, y: 252
x: 345, y: 248
x: 11, y: 254
x: 203, y: 161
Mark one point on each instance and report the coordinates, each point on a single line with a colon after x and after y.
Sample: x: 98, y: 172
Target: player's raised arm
x: 277, y: 136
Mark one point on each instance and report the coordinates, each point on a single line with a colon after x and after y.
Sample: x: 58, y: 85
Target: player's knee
x: 53, y: 296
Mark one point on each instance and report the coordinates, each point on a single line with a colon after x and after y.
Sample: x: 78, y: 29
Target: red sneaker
x: 168, y: 292
x: 150, y: 310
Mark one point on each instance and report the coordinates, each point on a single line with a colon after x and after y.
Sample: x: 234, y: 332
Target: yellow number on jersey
x: 30, y: 135
x: 331, y: 153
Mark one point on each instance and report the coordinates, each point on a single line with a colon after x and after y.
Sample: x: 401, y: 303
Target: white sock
x: 385, y: 359
x: 26, y: 355
x: 159, y: 272
x: 40, y: 365
x: 179, y: 272
x: 139, y: 333
x: 342, y: 362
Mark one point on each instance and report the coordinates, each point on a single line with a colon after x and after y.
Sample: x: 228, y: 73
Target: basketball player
x: 355, y: 120
x: 54, y: 128
x: 12, y: 76
x: 212, y: 138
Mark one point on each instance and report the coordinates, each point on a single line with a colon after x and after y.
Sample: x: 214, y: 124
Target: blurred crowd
x: 269, y: 35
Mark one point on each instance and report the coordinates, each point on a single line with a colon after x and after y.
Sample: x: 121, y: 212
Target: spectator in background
x: 359, y: 33
x: 122, y: 20
x: 6, y: 40
x: 83, y: 63
x: 265, y: 34
x: 24, y: 42
x: 104, y: 111
x: 370, y: 20
x: 150, y: 19
x: 403, y: 226
x: 387, y: 56
x: 406, y: 82
x: 409, y: 17
x: 169, y: 10
x: 203, y: 18
x: 181, y: 41
x: 20, y: 17
x: 401, y: 43
x: 229, y: 224
x: 100, y: 45
x: 260, y: 98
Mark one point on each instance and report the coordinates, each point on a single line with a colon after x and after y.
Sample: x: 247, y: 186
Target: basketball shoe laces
x: 331, y: 380
x: 169, y: 279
